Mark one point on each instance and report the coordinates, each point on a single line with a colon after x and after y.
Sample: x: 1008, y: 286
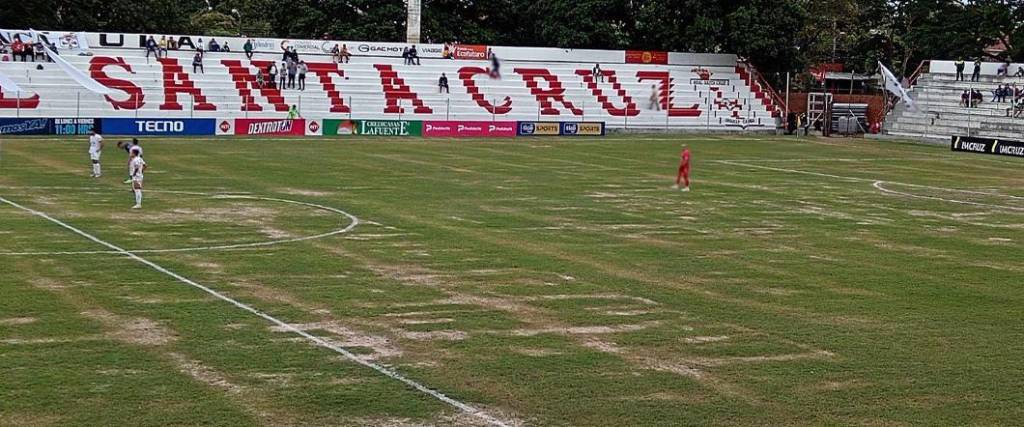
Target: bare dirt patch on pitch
x: 132, y: 330
x: 13, y: 321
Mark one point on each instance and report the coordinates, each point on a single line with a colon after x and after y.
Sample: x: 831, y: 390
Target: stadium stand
x: 693, y: 90
x: 940, y: 113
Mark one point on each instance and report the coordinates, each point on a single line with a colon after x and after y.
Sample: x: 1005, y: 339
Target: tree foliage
x: 777, y: 35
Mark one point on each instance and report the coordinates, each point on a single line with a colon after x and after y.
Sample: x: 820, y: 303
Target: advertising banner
x: 389, y: 128
x: 450, y: 129
x: 539, y: 129
x: 646, y: 57
x: 998, y: 147
x: 72, y: 126
x: 335, y: 127
x: 225, y: 127
x: 158, y: 127
x: 582, y: 129
x: 314, y: 127
x: 271, y: 127
x: 24, y: 126
x: 472, y: 52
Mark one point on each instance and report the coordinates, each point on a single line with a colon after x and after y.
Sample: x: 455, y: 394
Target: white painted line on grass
x: 871, y: 180
x: 353, y: 223
x: 280, y: 323
x: 880, y: 187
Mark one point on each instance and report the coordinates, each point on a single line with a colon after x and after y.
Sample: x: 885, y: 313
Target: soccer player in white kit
x: 135, y: 169
x: 95, y: 149
x: 129, y: 147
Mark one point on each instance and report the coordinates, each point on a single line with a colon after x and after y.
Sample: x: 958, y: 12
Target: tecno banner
x: 472, y: 52
x: 270, y: 127
x: 450, y: 129
x: 999, y: 147
x: 158, y: 127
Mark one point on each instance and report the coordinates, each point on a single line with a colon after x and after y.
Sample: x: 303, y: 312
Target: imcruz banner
x: 988, y: 146
x: 450, y: 129
x: 158, y: 127
x: 270, y: 127
x: 24, y: 126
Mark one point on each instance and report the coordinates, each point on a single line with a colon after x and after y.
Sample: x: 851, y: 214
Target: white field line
x: 354, y: 222
x: 880, y: 187
x: 390, y: 373
x: 871, y: 180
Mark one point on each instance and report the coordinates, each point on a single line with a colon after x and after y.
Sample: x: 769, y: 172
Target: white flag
x: 78, y: 75
x: 8, y: 85
x: 892, y: 84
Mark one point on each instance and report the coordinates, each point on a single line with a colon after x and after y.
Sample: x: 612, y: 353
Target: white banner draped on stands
x: 78, y: 75
x: 8, y: 85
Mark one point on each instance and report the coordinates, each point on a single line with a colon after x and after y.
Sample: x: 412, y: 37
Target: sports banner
x: 539, y: 129
x: 335, y: 127
x: 646, y: 57
x: 988, y: 146
x: 158, y: 127
x: 272, y: 127
x: 582, y: 129
x: 225, y: 127
x: 314, y: 127
x: 450, y: 129
x: 24, y: 126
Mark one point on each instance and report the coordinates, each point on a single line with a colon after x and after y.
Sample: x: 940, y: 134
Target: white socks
x: 96, y: 169
x: 138, y: 197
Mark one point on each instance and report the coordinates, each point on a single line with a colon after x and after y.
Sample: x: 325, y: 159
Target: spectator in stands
x: 283, y: 81
x: 303, y: 69
x: 30, y: 51
x: 272, y: 74
x: 959, y: 69
x: 414, y: 56
x: 598, y: 74
x: 197, y: 63
x: 18, y: 49
x: 1016, y: 109
x: 259, y: 79
x: 405, y: 56
x: 495, y: 66
x: 162, y: 46
x: 172, y: 44
x: 976, y: 98
x: 40, y: 50
x: 442, y: 84
x: 1004, y: 69
x: 655, y: 103
x: 1020, y: 71
x: 336, y: 53
x: 151, y: 47
x: 446, y: 53
x: 214, y: 46
x: 247, y: 47
x: 1000, y: 93
x: 965, y: 99
x: 345, y: 54
x: 293, y: 113
x: 976, y: 75
x: 200, y: 47
x: 225, y: 47
x: 293, y: 69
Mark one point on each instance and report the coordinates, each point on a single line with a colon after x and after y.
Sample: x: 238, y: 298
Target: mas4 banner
x: 24, y: 126
x: 449, y: 129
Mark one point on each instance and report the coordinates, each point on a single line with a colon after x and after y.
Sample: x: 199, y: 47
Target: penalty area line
x: 388, y: 372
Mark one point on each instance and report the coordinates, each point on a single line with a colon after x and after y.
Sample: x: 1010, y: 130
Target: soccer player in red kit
x: 684, y: 169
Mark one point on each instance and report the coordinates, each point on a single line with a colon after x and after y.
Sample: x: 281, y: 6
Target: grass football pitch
x: 561, y: 282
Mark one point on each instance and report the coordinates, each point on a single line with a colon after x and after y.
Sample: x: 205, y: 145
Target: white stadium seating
x: 551, y: 88
x: 939, y: 114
